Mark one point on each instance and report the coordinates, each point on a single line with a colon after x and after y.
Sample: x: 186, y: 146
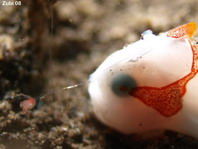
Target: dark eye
x: 122, y: 84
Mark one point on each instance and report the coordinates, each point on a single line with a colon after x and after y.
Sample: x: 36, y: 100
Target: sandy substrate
x: 46, y: 45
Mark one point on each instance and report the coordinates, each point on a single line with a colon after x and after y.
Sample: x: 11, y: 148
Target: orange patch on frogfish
x: 167, y: 100
x: 183, y: 30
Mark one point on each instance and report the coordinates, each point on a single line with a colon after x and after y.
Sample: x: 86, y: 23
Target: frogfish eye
x: 122, y: 84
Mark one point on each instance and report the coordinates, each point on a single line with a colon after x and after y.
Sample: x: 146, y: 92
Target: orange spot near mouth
x: 168, y: 99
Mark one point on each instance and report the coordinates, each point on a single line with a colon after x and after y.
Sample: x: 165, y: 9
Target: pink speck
x: 27, y: 105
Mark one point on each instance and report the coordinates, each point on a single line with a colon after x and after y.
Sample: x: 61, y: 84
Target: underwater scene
x: 96, y: 74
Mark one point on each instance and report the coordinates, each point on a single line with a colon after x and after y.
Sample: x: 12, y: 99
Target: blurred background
x: 46, y: 45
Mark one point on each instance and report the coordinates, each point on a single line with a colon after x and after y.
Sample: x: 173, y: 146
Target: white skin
x: 154, y: 61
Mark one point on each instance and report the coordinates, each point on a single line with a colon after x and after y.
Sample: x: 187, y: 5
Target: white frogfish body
x: 150, y: 84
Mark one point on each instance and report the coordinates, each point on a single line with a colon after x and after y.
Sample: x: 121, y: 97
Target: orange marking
x: 183, y: 30
x: 168, y: 99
